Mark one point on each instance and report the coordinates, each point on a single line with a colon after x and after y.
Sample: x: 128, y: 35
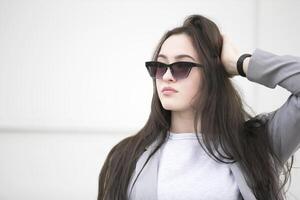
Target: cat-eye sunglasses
x: 179, y: 70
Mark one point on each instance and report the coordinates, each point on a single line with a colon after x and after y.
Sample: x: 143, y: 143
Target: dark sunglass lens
x: 160, y: 72
x: 156, y: 69
x: 152, y: 71
x: 181, y: 70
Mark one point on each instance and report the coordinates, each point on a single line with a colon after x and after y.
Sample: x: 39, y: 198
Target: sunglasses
x: 179, y: 70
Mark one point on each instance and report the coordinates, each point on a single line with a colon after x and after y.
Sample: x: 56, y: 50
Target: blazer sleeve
x: 283, y: 124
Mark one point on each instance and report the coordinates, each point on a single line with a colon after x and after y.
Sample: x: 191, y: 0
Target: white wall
x: 66, y: 99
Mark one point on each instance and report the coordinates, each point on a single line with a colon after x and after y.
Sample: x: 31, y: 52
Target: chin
x: 170, y: 107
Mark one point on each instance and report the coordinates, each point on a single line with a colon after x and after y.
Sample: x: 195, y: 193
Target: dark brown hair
x: 224, y: 122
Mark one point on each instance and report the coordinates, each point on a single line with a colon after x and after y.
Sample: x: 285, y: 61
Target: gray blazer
x: 284, y: 123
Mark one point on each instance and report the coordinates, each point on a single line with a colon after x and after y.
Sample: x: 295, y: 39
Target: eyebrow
x: 177, y: 57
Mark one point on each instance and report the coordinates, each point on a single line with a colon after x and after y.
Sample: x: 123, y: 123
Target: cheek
x: 193, y: 82
x: 190, y: 90
x: 157, y: 85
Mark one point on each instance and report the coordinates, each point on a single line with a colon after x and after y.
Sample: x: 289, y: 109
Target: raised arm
x: 270, y: 70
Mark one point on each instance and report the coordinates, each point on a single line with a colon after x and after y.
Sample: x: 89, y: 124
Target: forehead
x: 178, y: 44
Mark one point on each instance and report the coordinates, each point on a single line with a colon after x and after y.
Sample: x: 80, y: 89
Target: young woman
x: 199, y: 142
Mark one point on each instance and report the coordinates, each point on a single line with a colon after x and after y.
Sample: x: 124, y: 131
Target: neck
x: 183, y: 122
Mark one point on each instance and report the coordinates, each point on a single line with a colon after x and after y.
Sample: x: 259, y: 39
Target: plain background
x: 73, y: 81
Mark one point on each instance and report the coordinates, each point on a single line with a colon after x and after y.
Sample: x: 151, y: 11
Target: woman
x: 199, y: 142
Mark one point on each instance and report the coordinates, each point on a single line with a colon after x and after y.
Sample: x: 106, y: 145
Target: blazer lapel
x: 241, y: 182
x: 146, y: 185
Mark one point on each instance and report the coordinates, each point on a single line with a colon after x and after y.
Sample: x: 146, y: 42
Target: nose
x: 168, y: 75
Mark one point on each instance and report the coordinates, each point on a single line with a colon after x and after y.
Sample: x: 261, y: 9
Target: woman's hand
x: 229, y: 56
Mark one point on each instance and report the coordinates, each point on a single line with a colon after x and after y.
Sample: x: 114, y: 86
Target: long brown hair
x: 224, y: 122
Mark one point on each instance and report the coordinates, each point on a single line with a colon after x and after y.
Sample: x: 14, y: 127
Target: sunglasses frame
x: 189, y: 65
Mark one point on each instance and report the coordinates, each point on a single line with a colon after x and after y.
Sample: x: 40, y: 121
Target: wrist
x: 245, y: 65
x: 242, y: 64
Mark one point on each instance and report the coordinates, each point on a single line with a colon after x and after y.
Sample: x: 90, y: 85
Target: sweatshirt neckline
x: 183, y: 135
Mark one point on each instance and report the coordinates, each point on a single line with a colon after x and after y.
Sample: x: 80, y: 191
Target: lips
x: 169, y: 89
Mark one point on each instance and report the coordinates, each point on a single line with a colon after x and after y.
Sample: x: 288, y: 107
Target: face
x: 187, y: 88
